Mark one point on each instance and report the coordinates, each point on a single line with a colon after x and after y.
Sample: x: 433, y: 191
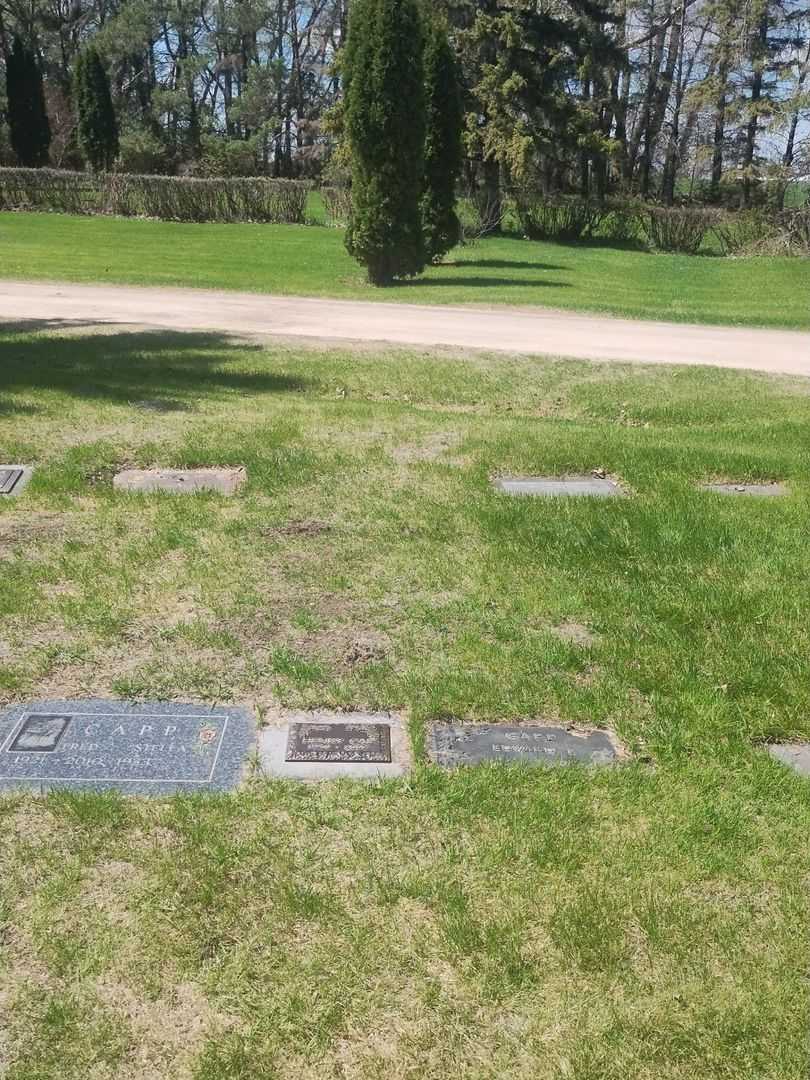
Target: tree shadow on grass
x: 482, y: 282
x: 500, y: 264
x: 154, y: 370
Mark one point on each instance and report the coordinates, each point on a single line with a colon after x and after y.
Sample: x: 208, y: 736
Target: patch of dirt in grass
x: 431, y: 447
x: 171, y: 611
x: 166, y: 1033
x: 370, y: 646
x: 31, y: 823
x: 107, y: 886
x: 575, y: 633
x: 95, y: 676
x: 60, y: 590
x: 588, y: 677
x: 26, y: 526
x: 304, y: 527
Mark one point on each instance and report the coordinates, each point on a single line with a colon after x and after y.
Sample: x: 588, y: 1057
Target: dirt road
x: 511, y: 330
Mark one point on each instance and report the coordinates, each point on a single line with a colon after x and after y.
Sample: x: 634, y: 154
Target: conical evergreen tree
x: 443, y: 149
x: 27, y: 119
x: 98, y: 129
x: 385, y: 124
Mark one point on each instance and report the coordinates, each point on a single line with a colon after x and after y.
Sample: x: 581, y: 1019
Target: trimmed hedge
x: 170, y: 198
x: 681, y: 229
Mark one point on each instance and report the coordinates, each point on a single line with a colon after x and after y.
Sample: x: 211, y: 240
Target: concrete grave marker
x: 534, y: 744
x: 323, y: 746
x: 568, y: 486
x: 795, y: 755
x: 13, y: 478
x: 757, y: 490
x: 151, y: 749
x: 181, y: 481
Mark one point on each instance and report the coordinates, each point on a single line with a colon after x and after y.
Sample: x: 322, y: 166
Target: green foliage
x: 443, y: 149
x: 98, y: 128
x: 385, y: 125
x: 142, y: 151
x: 27, y: 119
x: 227, y: 157
x: 680, y: 229
x: 172, y: 198
x: 561, y: 219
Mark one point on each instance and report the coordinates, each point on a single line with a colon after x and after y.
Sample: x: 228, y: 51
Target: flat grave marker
x: 795, y: 755
x: 550, y: 486
x: 181, y: 481
x: 534, y: 744
x: 13, y: 478
x: 346, y: 743
x: 762, y: 491
x: 149, y: 749
x: 324, y: 746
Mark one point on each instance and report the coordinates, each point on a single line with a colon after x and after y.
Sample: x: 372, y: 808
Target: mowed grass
x: 312, y: 261
x: 648, y: 921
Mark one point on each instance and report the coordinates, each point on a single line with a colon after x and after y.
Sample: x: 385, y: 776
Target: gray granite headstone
x: 758, y: 490
x: 796, y: 755
x: 181, y: 481
x: 143, y: 749
x: 534, y: 744
x: 563, y: 485
x: 13, y: 478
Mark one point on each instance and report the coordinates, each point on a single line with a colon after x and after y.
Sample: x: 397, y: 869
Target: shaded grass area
x: 308, y: 261
x: 648, y: 921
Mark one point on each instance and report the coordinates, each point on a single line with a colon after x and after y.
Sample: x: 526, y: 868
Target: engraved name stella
x: 139, y: 750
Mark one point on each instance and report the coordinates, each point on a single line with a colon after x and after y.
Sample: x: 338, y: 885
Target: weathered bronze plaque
x: 9, y: 478
x: 39, y: 733
x: 339, y: 742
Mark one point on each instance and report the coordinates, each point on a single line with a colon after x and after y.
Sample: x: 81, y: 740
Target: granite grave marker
x: 13, y: 478
x: 534, y: 744
x: 795, y: 755
x: 181, y: 481
x: 567, y: 486
x: 145, y: 749
x: 762, y: 491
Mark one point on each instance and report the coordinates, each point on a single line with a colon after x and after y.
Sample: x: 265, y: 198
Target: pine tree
x: 27, y: 118
x: 385, y: 125
x: 443, y: 149
x: 98, y: 130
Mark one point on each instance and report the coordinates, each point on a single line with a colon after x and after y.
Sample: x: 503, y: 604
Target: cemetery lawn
x: 298, y: 260
x: 649, y: 921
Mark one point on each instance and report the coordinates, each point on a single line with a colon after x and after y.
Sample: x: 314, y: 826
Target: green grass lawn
x: 649, y: 921
x: 312, y: 261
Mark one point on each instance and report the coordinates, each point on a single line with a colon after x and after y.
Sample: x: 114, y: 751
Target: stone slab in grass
x: 566, y: 486
x: 326, y: 746
x: 452, y: 745
x: 139, y: 749
x: 796, y: 755
x: 181, y: 481
x: 13, y: 478
x: 757, y: 490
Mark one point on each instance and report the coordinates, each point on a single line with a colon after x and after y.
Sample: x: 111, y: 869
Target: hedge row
x: 171, y: 198
x: 680, y: 229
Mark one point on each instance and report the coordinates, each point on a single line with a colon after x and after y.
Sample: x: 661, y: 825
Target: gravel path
x: 502, y: 329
